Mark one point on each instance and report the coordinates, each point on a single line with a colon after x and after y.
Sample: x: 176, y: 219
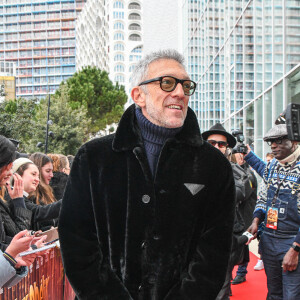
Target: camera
x: 240, y: 146
x: 292, y: 119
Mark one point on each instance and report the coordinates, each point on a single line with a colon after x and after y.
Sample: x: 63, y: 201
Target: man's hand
x: 290, y: 260
x: 17, y: 191
x: 254, y: 227
x: 248, y: 151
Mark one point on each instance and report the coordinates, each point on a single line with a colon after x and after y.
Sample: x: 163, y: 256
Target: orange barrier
x: 45, y: 281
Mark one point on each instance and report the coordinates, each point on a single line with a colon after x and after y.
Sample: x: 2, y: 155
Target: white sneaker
x: 259, y: 266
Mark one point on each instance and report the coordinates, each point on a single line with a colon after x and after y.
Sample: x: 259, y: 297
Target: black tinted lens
x: 168, y: 84
x: 188, y: 87
x: 221, y: 144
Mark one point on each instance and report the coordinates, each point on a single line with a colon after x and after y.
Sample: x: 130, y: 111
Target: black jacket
x: 12, y: 220
x: 58, y: 183
x: 125, y: 235
x: 44, y: 216
x: 246, y: 187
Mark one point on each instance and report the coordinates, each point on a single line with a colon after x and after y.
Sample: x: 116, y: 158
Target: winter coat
x: 58, y: 183
x: 13, y: 220
x: 127, y: 235
x: 8, y: 274
x: 245, y: 203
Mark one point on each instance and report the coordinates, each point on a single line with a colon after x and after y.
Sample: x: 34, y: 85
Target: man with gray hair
x: 148, y: 211
x: 279, y: 207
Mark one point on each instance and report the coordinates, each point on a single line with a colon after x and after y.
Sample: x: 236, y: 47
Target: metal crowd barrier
x: 46, y: 280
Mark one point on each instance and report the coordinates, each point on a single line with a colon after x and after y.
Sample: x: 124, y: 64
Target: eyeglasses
x: 221, y: 144
x: 278, y: 141
x: 169, y: 83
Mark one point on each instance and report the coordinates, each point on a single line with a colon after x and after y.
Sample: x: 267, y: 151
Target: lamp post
x: 48, y: 133
x: 47, y: 127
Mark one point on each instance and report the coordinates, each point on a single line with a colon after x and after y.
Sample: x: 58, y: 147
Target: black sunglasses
x: 169, y: 83
x: 221, y: 144
x: 278, y: 141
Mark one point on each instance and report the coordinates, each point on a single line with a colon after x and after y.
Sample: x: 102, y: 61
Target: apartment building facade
x: 39, y: 37
x: 109, y: 36
x: 245, y: 58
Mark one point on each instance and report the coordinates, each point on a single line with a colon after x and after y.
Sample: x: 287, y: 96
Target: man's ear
x: 138, y: 96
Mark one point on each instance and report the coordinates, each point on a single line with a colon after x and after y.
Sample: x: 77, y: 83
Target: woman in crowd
x: 61, y: 171
x: 13, y: 268
x: 45, y: 211
x: 15, y: 217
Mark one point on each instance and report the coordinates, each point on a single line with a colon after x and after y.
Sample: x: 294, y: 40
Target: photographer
x: 218, y: 137
x: 279, y: 207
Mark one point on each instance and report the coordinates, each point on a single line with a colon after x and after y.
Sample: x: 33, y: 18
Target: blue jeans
x: 281, y: 285
x: 242, y: 269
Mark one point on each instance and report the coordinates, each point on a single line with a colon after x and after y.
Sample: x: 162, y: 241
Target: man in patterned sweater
x: 279, y: 207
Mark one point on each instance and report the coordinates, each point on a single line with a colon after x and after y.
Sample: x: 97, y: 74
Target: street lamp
x: 48, y: 133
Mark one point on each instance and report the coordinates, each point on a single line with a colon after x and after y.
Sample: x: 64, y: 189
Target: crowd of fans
x: 31, y: 190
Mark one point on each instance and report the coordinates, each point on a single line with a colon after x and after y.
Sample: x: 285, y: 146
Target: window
x: 131, y: 68
x: 118, y: 25
x: 135, y: 57
x: 119, y: 47
x: 119, y: 68
x: 118, y: 4
x: 119, y: 36
x: 118, y: 15
x: 137, y: 50
x: 134, y: 16
x: 134, y: 5
x: 119, y: 78
x: 119, y: 57
x: 134, y: 26
x: 135, y: 37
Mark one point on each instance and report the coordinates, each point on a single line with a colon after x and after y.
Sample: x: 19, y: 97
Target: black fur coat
x: 126, y: 235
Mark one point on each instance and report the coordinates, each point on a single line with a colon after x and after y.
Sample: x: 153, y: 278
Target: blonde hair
x: 44, y: 193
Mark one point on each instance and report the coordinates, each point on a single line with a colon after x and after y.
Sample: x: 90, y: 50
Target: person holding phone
x: 30, y: 175
x: 13, y: 267
x: 14, y: 215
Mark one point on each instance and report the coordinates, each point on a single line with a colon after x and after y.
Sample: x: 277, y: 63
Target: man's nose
x: 178, y: 91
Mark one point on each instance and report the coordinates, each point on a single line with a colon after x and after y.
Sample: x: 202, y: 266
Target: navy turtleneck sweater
x: 154, y: 138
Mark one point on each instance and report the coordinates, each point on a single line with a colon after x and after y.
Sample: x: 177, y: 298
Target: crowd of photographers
x: 31, y: 188
x: 271, y: 215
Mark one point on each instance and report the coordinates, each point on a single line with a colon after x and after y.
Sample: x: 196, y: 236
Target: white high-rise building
x: 244, y: 56
x: 115, y: 35
x: 109, y: 36
x: 92, y: 36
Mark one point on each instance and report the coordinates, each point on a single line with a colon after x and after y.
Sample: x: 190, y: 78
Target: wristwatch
x: 296, y: 248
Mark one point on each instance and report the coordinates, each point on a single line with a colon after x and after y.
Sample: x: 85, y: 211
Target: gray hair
x: 141, y: 69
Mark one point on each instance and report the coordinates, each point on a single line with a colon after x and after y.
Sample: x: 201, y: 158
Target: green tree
x: 17, y: 120
x: 70, y: 126
x: 92, y: 89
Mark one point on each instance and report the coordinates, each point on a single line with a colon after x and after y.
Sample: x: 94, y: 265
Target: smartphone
x: 52, y: 234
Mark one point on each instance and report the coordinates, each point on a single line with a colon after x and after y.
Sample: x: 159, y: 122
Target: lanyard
x: 281, y: 182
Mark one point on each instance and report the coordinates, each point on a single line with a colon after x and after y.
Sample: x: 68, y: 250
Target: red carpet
x: 255, y: 286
